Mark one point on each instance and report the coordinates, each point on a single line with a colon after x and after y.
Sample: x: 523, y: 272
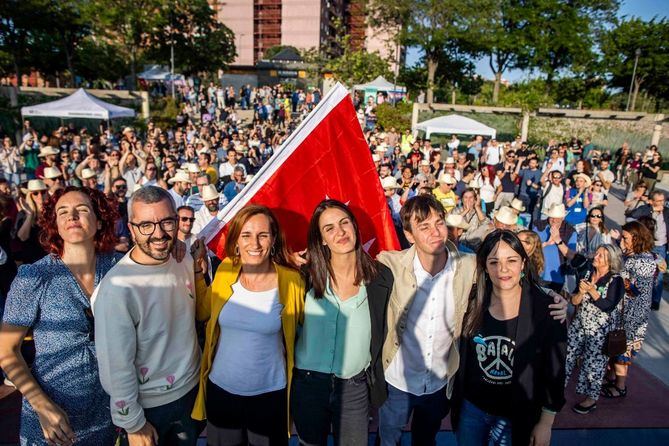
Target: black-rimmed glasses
x: 149, y: 227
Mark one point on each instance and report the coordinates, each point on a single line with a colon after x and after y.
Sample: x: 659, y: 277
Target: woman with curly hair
x: 63, y: 400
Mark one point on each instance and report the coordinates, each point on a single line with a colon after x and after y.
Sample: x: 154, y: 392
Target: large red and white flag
x: 326, y: 156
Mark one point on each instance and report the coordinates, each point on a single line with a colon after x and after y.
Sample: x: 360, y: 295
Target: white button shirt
x: 419, y: 366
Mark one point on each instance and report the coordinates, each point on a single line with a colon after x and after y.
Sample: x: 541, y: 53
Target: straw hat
x: 88, y: 173
x: 52, y: 172
x: 425, y: 163
x: 506, y: 215
x: 209, y: 192
x: 456, y: 221
x: 557, y: 211
x: 449, y: 160
x: 588, y: 181
x: 517, y: 205
x: 389, y: 183
x: 447, y: 178
x: 193, y: 168
x: 180, y: 177
x: 34, y: 186
x: 48, y: 150
x: 127, y: 130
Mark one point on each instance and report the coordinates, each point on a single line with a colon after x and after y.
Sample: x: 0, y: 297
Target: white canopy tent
x: 370, y: 89
x: 454, y: 125
x: 79, y: 104
x: 159, y: 73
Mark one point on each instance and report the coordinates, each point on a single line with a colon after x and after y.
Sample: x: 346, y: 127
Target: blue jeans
x: 478, y: 428
x: 428, y: 412
x: 657, y: 288
x: 173, y: 423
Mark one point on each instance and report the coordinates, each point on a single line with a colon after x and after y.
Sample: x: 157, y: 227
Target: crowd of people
x: 120, y: 326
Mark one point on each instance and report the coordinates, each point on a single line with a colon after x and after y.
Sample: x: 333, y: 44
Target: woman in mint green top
x: 332, y: 351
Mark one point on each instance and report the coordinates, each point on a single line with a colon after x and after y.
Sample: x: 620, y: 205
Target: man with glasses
x: 552, y: 192
x: 186, y: 216
x: 146, y: 342
x: 660, y: 213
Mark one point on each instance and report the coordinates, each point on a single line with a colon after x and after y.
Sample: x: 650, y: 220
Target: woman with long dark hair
x: 512, y: 352
x: 63, y: 400
x: 338, y: 349
x: 594, y: 233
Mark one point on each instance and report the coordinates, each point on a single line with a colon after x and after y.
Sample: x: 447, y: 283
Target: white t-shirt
x: 250, y: 357
x: 487, y: 189
x: 493, y: 155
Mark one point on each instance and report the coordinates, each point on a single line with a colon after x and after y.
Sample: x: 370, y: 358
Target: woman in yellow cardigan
x: 252, y: 307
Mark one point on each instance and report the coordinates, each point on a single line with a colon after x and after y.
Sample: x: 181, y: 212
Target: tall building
x: 304, y: 24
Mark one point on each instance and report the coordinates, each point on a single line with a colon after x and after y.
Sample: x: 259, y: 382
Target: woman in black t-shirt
x: 510, y: 383
x: 649, y: 171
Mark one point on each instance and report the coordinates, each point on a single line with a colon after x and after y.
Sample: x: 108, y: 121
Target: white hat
x: 557, y: 211
x: 506, y: 215
x: 203, y: 150
x: 193, y: 168
x: 48, y: 150
x: 34, y: 186
x: 128, y: 129
x: 517, y: 205
x: 447, y: 178
x: 180, y: 177
x: 209, y: 192
x: 88, y: 173
x: 376, y: 158
x: 425, y: 163
x: 456, y: 221
x: 473, y: 184
x: 588, y: 181
x: 28, y: 137
x: 449, y: 160
x: 389, y: 183
x: 52, y: 172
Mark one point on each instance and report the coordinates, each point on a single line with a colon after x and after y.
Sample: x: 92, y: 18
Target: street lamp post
x: 637, y: 53
x: 172, y: 62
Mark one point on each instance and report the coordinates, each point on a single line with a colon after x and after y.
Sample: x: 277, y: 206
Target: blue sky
x: 646, y: 9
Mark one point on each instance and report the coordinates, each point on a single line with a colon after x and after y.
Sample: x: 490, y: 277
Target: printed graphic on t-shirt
x: 495, y: 358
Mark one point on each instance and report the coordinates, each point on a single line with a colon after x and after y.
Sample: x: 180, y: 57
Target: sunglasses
x: 36, y: 193
x: 596, y: 216
x: 185, y: 219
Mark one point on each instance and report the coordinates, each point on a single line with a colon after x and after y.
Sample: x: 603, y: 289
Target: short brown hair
x: 279, y: 254
x: 642, y: 238
x: 420, y: 206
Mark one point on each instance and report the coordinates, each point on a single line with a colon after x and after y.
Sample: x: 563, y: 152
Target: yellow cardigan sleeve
x: 202, y: 299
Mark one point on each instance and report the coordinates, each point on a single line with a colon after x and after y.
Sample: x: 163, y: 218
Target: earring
x: 237, y: 250
x: 272, y: 251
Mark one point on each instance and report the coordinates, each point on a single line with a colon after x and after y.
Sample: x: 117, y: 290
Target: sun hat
x: 425, y: 163
x: 34, y: 186
x: 506, y: 215
x: 557, y: 210
x: 52, y: 172
x: 193, y: 168
x: 180, y: 177
x: 389, y: 183
x: 88, y: 173
x: 517, y: 205
x: 587, y: 179
x: 447, y: 178
x: 449, y: 160
x: 209, y: 192
x: 48, y: 150
x: 456, y: 221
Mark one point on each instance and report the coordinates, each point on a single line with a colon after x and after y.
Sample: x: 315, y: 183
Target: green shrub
x: 398, y: 116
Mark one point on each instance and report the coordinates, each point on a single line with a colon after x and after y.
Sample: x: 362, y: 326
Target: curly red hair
x: 106, y: 213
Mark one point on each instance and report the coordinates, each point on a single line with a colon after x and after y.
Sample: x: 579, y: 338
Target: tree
x: 619, y: 47
x: 201, y: 43
x: 70, y: 28
x: 563, y: 33
x: 431, y: 26
x: 357, y: 66
x: 129, y: 23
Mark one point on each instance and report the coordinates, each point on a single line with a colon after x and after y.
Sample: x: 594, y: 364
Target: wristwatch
x: 560, y: 243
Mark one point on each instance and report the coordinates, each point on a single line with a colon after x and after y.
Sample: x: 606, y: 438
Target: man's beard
x: 156, y: 254
x: 213, y: 207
